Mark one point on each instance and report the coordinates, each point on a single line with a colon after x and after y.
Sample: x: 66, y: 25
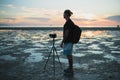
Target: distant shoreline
x: 57, y: 28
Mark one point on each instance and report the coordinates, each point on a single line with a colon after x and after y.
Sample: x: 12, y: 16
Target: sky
x: 50, y: 12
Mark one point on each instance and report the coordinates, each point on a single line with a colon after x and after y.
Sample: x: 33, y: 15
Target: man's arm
x: 65, y: 36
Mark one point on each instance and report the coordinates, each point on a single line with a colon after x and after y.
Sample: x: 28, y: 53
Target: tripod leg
x: 54, y: 61
x: 48, y: 59
x: 58, y: 57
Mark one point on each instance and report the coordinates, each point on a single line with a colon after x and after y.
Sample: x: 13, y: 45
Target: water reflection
x: 95, y: 34
x: 41, y: 35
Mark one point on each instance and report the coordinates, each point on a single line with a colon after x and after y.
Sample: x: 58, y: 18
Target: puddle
x: 86, y: 41
x: 62, y: 60
x: 7, y: 57
x: 96, y: 52
x: 109, y: 56
x: 107, y: 43
x: 79, y: 55
x: 115, y: 52
x: 94, y: 46
x: 98, y: 61
x: 31, y: 50
x: 34, y: 57
x: 116, y: 38
x: 84, y: 66
x: 113, y: 47
x: 60, y: 52
x: 38, y: 45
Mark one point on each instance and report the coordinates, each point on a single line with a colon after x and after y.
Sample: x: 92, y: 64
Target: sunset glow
x: 45, y: 13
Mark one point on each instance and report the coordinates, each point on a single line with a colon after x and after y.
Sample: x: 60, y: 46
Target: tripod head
x: 52, y: 35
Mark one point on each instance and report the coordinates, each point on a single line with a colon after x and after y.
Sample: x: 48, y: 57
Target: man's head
x: 67, y: 14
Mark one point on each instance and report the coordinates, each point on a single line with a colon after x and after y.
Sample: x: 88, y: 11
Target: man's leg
x: 70, y: 61
x: 69, y: 70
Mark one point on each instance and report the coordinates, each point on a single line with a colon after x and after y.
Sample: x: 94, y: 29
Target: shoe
x: 68, y: 70
x: 69, y: 74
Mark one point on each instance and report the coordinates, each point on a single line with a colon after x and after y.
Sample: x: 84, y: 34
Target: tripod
x: 53, y: 50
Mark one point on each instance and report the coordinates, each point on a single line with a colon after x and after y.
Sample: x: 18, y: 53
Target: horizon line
x: 57, y: 28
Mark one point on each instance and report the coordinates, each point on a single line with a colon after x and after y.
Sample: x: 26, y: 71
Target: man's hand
x: 62, y: 44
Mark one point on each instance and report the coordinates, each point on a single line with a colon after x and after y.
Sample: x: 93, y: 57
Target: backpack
x: 76, y: 34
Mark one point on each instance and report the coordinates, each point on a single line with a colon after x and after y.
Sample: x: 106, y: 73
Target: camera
x: 53, y: 35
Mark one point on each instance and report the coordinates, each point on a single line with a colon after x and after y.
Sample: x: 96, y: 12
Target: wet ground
x: 23, y: 55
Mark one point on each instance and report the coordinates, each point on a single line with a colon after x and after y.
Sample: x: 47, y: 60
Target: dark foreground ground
x: 19, y: 70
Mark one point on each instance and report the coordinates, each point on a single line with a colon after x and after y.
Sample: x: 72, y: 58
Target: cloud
x: 41, y: 12
x: 114, y: 18
x: 2, y: 12
x: 10, y: 18
x: 83, y: 19
x: 4, y: 24
x: 38, y: 19
x: 11, y: 6
x: 8, y: 6
x: 26, y: 9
